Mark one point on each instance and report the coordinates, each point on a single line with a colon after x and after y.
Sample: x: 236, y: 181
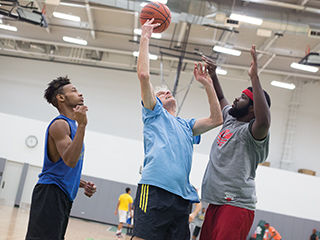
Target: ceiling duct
x: 27, y: 13
x: 314, y: 33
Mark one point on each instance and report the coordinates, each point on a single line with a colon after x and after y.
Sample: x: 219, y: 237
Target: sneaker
x: 119, y: 235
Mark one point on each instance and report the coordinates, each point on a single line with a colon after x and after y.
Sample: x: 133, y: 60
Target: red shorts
x: 225, y: 222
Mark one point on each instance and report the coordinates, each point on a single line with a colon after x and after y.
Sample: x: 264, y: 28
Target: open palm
x: 201, y: 74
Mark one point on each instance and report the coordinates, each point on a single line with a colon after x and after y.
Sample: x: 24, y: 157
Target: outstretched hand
x: 147, y: 28
x: 211, y: 65
x: 253, y: 71
x: 201, y: 74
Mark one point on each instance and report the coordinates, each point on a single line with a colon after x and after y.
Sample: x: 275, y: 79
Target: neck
x: 246, y: 118
x: 172, y: 112
x: 66, y: 111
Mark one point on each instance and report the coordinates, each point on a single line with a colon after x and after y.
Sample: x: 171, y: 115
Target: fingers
x: 253, y: 52
x: 80, y: 108
x: 149, y: 23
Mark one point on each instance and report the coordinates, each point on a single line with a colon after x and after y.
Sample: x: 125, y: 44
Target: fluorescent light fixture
x: 143, y: 4
x: 151, y: 56
x: 66, y: 16
x: 264, y: 32
x: 247, y: 19
x: 71, y: 5
x: 9, y: 28
x: 304, y: 67
x: 153, y: 35
x: 290, y: 86
x: 221, y: 71
x: 227, y: 50
x: 160, y: 1
x: 75, y: 40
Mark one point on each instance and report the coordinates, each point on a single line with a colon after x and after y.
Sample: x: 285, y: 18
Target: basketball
x: 161, y: 14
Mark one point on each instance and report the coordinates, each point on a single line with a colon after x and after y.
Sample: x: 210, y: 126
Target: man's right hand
x: 80, y: 115
x: 115, y: 212
x: 147, y: 28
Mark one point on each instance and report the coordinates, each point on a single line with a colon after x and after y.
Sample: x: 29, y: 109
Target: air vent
x: 231, y: 23
x: 314, y: 33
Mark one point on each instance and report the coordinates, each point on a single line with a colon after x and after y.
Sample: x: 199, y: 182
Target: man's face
x: 240, y: 106
x: 73, y: 98
x: 167, y: 99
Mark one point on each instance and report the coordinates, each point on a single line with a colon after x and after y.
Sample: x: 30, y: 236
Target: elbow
x: 143, y: 76
x: 216, y: 120
x: 70, y: 164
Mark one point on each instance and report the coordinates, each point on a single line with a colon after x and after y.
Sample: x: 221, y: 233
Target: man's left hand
x: 201, y: 74
x: 253, y: 71
x: 90, y: 189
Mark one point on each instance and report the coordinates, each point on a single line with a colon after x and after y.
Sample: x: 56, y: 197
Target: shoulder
x: 59, y: 126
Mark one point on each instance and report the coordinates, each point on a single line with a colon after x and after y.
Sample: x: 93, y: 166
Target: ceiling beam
x: 285, y: 5
x: 90, y: 19
x: 123, y: 52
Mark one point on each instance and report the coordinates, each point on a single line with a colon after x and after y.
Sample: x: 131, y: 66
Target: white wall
x: 118, y: 159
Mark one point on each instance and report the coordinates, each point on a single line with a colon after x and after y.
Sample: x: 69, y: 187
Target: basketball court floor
x: 14, y: 221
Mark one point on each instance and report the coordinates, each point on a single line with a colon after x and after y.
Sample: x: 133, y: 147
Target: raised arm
x: 147, y: 93
x: 215, y: 118
x: 211, y: 66
x: 68, y: 149
x: 262, y: 121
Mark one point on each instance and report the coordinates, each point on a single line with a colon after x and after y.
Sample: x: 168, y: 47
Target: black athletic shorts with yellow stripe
x: 160, y: 215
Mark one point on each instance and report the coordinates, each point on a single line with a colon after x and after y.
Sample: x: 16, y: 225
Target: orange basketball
x: 161, y: 14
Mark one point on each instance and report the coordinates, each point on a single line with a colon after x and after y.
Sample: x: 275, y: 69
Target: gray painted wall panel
x: 2, y: 165
x: 101, y: 206
x: 290, y: 228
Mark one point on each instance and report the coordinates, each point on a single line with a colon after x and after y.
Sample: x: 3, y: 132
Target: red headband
x: 248, y: 93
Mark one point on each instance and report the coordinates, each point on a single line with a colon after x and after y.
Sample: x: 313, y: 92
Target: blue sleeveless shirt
x: 67, y: 178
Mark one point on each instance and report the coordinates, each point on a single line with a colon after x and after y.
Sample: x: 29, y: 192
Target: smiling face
x: 240, y: 106
x: 168, y: 101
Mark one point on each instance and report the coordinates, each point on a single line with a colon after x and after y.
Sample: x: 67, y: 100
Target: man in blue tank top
x: 59, y: 180
x: 164, y: 194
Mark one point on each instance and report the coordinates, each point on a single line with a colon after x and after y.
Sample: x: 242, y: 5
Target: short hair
x: 160, y: 88
x: 54, y: 88
x: 128, y: 190
x: 265, y: 94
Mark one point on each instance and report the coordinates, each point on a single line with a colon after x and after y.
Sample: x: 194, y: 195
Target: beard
x: 239, y: 112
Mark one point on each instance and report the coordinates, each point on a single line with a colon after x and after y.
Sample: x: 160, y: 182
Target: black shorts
x: 196, y: 231
x: 49, y: 213
x: 160, y: 215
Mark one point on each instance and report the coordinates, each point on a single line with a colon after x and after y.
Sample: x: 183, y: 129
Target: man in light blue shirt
x: 164, y: 193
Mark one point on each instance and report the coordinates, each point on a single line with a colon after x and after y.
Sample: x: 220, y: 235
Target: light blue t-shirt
x: 168, y: 148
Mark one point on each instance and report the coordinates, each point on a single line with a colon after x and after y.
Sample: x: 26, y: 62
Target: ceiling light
x: 9, y: 28
x: 66, y: 16
x: 290, y: 86
x: 264, y: 32
x: 153, y: 35
x: 227, y: 50
x: 160, y: 1
x: 304, y: 67
x: 247, y: 19
x: 221, y: 71
x: 71, y: 5
x: 151, y: 56
x: 75, y: 40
